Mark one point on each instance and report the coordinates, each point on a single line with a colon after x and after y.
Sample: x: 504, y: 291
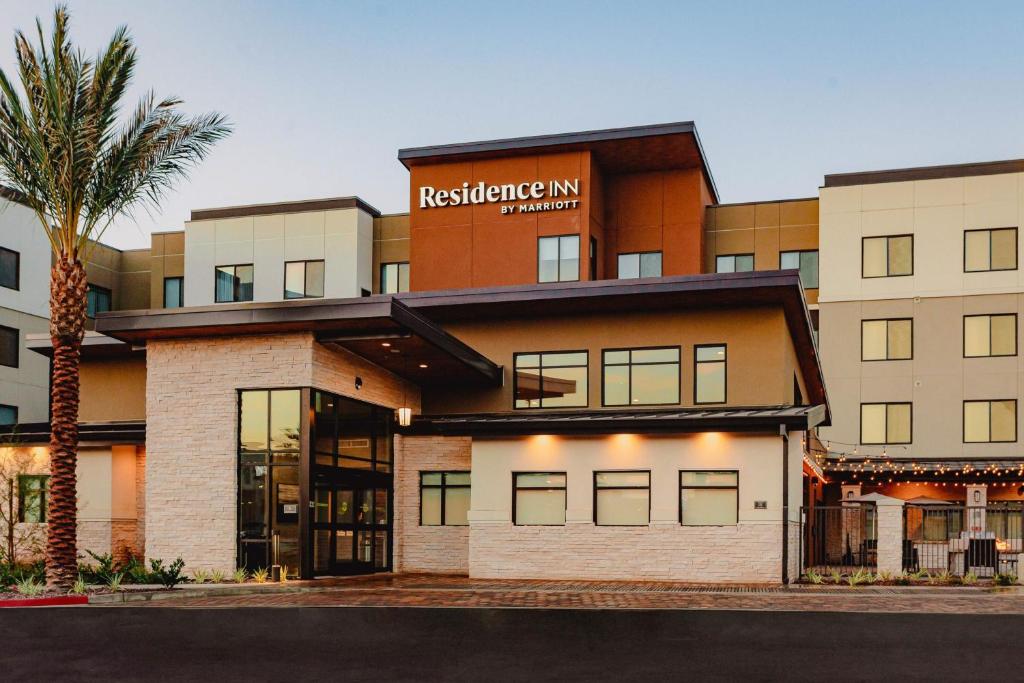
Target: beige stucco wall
x: 390, y: 243
x: 28, y: 385
x: 167, y: 259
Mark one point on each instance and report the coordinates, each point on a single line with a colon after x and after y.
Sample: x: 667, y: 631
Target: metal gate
x: 843, y: 537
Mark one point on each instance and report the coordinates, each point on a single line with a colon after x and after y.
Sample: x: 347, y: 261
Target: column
x: 977, y: 500
x: 890, y: 535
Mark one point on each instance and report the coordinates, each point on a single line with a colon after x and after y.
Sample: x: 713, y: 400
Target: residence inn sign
x: 525, y: 197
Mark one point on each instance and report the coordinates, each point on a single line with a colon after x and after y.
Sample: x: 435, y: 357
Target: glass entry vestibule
x: 315, y: 485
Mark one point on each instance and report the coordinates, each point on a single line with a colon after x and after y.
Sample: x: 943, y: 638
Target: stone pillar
x: 890, y: 535
x: 850, y: 491
x: 977, y: 500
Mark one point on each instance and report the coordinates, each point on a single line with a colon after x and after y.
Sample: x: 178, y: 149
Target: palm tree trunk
x: 68, y: 288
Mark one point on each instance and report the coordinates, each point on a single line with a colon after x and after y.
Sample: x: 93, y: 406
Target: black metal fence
x: 961, y: 540
x: 843, y: 537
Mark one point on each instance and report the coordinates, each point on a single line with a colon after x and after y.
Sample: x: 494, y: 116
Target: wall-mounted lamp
x: 404, y: 417
x: 359, y: 383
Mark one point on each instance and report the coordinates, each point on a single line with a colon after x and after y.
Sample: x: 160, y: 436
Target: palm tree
x: 67, y: 153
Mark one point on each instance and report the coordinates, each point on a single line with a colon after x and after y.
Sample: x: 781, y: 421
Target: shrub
x: 885, y: 577
x: 134, y: 570
x: 168, y: 577
x: 260, y: 575
x: 217, y: 576
x: 79, y: 587
x: 969, y: 579
x: 836, y: 576
x: 29, y: 587
x: 114, y: 582
x: 814, y: 577
x: 903, y: 579
x: 240, y: 576
x: 858, y: 577
x: 200, y: 576
x: 1005, y: 579
x: 104, y: 569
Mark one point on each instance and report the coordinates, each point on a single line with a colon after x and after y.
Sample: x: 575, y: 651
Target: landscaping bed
x: 864, y: 577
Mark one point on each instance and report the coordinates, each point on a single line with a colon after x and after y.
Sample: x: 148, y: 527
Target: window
x: 593, y: 258
x: 990, y: 335
x: 887, y: 256
x: 990, y: 421
x: 233, y: 283
x: 538, y: 498
x: 551, y: 380
x: 1005, y: 522
x: 622, y: 498
x: 303, y: 279
x: 990, y: 250
x: 641, y: 376
x: 444, y: 498
x: 97, y: 300
x: 734, y: 263
x: 394, y: 278
x: 883, y: 423
x: 709, y: 374
x: 640, y: 264
x: 9, y: 346
x: 887, y: 339
x: 558, y: 258
x: 8, y: 415
x: 804, y: 261
x: 174, y: 292
x: 32, y: 490
x: 10, y: 268
x: 708, y: 498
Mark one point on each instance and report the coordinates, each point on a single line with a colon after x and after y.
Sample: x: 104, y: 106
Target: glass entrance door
x: 351, y: 529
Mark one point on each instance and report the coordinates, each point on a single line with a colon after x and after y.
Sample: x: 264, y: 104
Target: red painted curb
x: 47, y: 602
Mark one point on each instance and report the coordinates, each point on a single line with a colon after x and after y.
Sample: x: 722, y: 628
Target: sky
x: 322, y: 95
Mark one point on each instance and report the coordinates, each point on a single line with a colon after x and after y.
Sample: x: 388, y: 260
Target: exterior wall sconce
x: 977, y: 496
x: 404, y: 416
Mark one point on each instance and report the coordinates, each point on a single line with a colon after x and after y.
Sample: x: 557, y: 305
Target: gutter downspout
x: 784, y: 433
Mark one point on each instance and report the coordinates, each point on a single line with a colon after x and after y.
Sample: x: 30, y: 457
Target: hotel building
x: 568, y: 360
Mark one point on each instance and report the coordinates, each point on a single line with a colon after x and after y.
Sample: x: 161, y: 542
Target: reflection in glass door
x: 350, y: 530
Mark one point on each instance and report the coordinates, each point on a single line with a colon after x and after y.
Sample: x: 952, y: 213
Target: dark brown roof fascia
x: 93, y: 433
x: 764, y: 201
x: 285, y: 207
x: 924, y: 173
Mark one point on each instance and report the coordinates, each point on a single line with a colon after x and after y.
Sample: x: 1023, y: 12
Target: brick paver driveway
x: 448, y: 591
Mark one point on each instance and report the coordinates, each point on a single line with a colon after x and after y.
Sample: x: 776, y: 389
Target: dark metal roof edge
x: 924, y: 173
x: 788, y: 200
x: 126, y: 431
x: 298, y: 206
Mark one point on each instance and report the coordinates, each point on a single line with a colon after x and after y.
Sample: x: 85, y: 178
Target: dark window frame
x: 593, y: 258
x: 725, y: 383
x: 284, y: 290
x: 963, y: 331
x: 888, y: 239
x: 181, y: 290
x: 622, y: 488
x: 579, y: 259
x: 17, y: 346
x: 639, y: 266
x: 629, y: 383
x: 44, y: 494
x: 516, y: 488
x: 15, y: 409
x: 735, y: 487
x: 97, y: 289
x: 540, y: 378
x: 990, y: 269
x: 800, y: 254
x: 753, y: 262
x: 887, y: 359
x: 17, y: 269
x: 860, y: 416
x: 383, y: 277
x: 442, y: 487
x: 989, y: 401
x: 234, y: 275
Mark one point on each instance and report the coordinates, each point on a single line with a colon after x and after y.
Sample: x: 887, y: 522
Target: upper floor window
x: 10, y: 268
x: 734, y: 263
x: 550, y: 380
x: 709, y: 373
x: 538, y: 498
x: 97, y: 300
x: 558, y: 258
x: 10, y: 343
x: 888, y: 256
x: 990, y: 335
x: 174, y: 292
x: 990, y: 250
x: 806, y: 262
x: 990, y: 421
x: 641, y: 376
x: 887, y: 339
x: 593, y: 257
x: 303, y: 279
x: 8, y: 415
x: 444, y: 498
x: 394, y: 277
x: 622, y: 498
x: 708, y: 498
x: 884, y: 423
x: 32, y: 490
x: 639, y: 264
x: 233, y: 283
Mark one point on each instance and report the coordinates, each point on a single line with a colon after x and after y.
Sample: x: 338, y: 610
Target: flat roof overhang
x: 94, y: 346
x: 594, y: 422
x: 89, y: 433
x: 380, y: 329
x: 899, y: 175
x: 617, y: 150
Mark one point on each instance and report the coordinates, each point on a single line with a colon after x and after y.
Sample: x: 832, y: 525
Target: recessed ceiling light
x: 423, y: 365
x: 385, y: 344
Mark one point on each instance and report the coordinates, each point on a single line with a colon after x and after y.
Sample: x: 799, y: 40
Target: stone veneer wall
x: 140, y: 502
x: 435, y: 549
x: 192, y: 423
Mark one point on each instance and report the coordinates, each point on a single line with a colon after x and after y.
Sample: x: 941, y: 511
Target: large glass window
x: 885, y: 423
x: 804, y: 261
x: 639, y: 264
x: 990, y: 250
x: 9, y: 346
x: 233, y: 283
x: 734, y: 263
x: 888, y: 256
x: 709, y: 373
x: 641, y: 376
x: 887, y: 339
x: 10, y: 268
x: 551, y: 380
x: 622, y: 498
x: 558, y: 258
x: 303, y: 279
x: 8, y: 415
x: 394, y: 278
x: 708, y: 498
x: 351, y: 434
x: 97, y: 300
x: 990, y: 421
x: 174, y: 292
x: 990, y: 335
x: 538, y: 498
x: 444, y: 498
x: 32, y: 494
